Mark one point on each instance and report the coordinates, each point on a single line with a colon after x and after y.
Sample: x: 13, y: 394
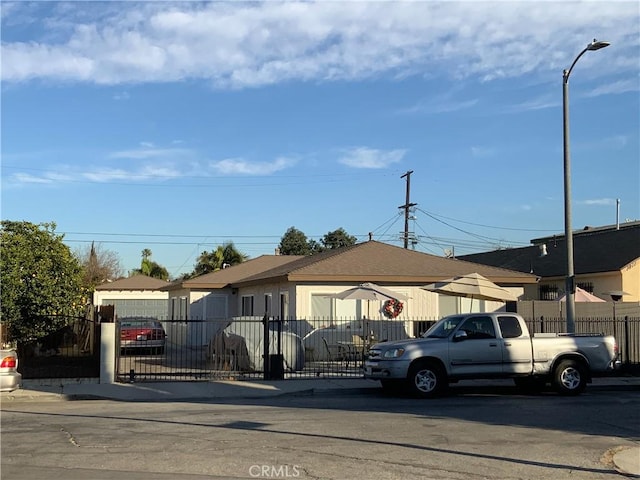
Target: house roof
x: 598, y: 250
x: 135, y: 282
x: 381, y: 263
x: 225, y: 277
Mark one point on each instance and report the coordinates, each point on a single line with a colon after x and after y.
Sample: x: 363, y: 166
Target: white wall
x: 100, y: 295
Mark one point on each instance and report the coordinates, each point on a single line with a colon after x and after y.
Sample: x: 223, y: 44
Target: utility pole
x: 407, y: 205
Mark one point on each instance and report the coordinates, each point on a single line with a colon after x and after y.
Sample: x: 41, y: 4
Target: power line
x: 480, y: 237
x: 487, y: 226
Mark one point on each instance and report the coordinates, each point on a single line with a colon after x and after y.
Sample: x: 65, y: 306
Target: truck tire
x: 426, y: 379
x: 569, y: 377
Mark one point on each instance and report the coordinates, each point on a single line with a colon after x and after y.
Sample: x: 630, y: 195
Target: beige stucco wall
x: 194, y: 296
x: 626, y: 280
x: 631, y: 281
x: 421, y: 304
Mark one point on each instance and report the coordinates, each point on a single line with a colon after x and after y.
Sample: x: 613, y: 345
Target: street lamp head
x: 597, y: 45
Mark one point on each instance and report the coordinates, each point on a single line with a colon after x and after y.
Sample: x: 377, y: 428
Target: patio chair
x: 335, y: 352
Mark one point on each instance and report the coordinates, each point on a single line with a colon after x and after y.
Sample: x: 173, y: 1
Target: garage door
x: 139, y: 308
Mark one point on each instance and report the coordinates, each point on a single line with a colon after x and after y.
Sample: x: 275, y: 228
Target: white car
x: 10, y: 378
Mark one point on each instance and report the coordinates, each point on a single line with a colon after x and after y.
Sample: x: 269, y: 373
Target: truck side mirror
x: 460, y: 335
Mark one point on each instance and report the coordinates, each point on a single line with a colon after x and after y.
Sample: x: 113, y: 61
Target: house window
x: 172, y: 314
x: 267, y: 304
x: 586, y: 286
x: 548, y: 292
x: 247, y: 306
x: 321, y: 306
x: 284, y: 305
x: 183, y: 308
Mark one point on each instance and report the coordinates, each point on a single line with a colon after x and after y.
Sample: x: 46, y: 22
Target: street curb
x: 320, y: 392
x: 626, y: 461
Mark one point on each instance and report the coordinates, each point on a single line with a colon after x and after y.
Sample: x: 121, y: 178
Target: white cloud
x: 147, y: 150
x: 482, y: 152
x: 621, y: 86
x: 363, y: 157
x: 28, y: 178
x: 615, y: 142
x: 48, y: 177
x: 64, y: 174
x: 238, y: 166
x: 444, y: 104
x: 121, y: 96
x: 539, y: 103
x: 601, y: 202
x: 244, y: 44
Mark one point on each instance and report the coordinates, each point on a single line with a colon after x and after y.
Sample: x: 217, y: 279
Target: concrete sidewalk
x: 626, y: 461
x: 89, y: 388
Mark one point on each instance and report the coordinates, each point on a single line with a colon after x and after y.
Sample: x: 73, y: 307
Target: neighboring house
x: 605, y: 259
x: 301, y: 286
x: 136, y: 296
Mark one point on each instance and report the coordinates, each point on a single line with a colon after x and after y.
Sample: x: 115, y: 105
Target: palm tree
x: 222, y: 257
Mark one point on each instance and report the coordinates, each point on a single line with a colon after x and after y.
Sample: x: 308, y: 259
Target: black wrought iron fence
x: 250, y: 348
x: 253, y: 347
x: 626, y: 331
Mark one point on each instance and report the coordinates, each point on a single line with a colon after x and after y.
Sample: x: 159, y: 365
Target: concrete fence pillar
x: 107, y: 353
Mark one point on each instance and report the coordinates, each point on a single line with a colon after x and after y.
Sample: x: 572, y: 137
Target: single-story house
x: 135, y: 296
x: 301, y: 286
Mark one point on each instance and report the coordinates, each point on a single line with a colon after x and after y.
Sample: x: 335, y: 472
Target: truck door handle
x: 493, y: 344
x: 507, y: 344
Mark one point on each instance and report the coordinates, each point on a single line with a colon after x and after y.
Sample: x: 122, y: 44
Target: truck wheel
x: 426, y: 379
x: 570, y: 378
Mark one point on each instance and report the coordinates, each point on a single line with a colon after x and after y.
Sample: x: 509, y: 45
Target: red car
x: 139, y: 334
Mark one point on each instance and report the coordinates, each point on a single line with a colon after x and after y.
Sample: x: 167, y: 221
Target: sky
x: 179, y: 126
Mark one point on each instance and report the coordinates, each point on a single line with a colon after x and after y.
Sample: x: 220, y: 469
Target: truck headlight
x: 394, y: 353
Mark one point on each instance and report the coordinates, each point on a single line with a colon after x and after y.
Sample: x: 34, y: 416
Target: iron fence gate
x: 248, y: 348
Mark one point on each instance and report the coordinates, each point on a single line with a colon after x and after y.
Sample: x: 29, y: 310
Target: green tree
x: 224, y: 255
x: 338, y: 238
x: 41, y: 281
x: 98, y: 265
x: 294, y: 242
x: 150, y: 268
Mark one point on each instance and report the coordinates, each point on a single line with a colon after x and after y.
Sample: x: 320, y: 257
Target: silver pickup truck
x: 490, y: 345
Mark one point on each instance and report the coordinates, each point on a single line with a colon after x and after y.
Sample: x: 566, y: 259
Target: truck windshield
x: 443, y: 328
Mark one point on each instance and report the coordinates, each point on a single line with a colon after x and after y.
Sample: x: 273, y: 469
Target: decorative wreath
x: 392, y: 308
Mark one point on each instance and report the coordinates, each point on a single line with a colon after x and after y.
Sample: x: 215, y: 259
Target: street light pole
x: 570, y: 282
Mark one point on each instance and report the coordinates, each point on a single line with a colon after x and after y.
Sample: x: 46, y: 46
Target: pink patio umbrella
x: 582, y: 296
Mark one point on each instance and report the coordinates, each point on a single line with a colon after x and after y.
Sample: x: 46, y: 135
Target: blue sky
x: 177, y: 126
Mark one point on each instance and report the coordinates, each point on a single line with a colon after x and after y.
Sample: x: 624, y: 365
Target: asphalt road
x: 472, y: 434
